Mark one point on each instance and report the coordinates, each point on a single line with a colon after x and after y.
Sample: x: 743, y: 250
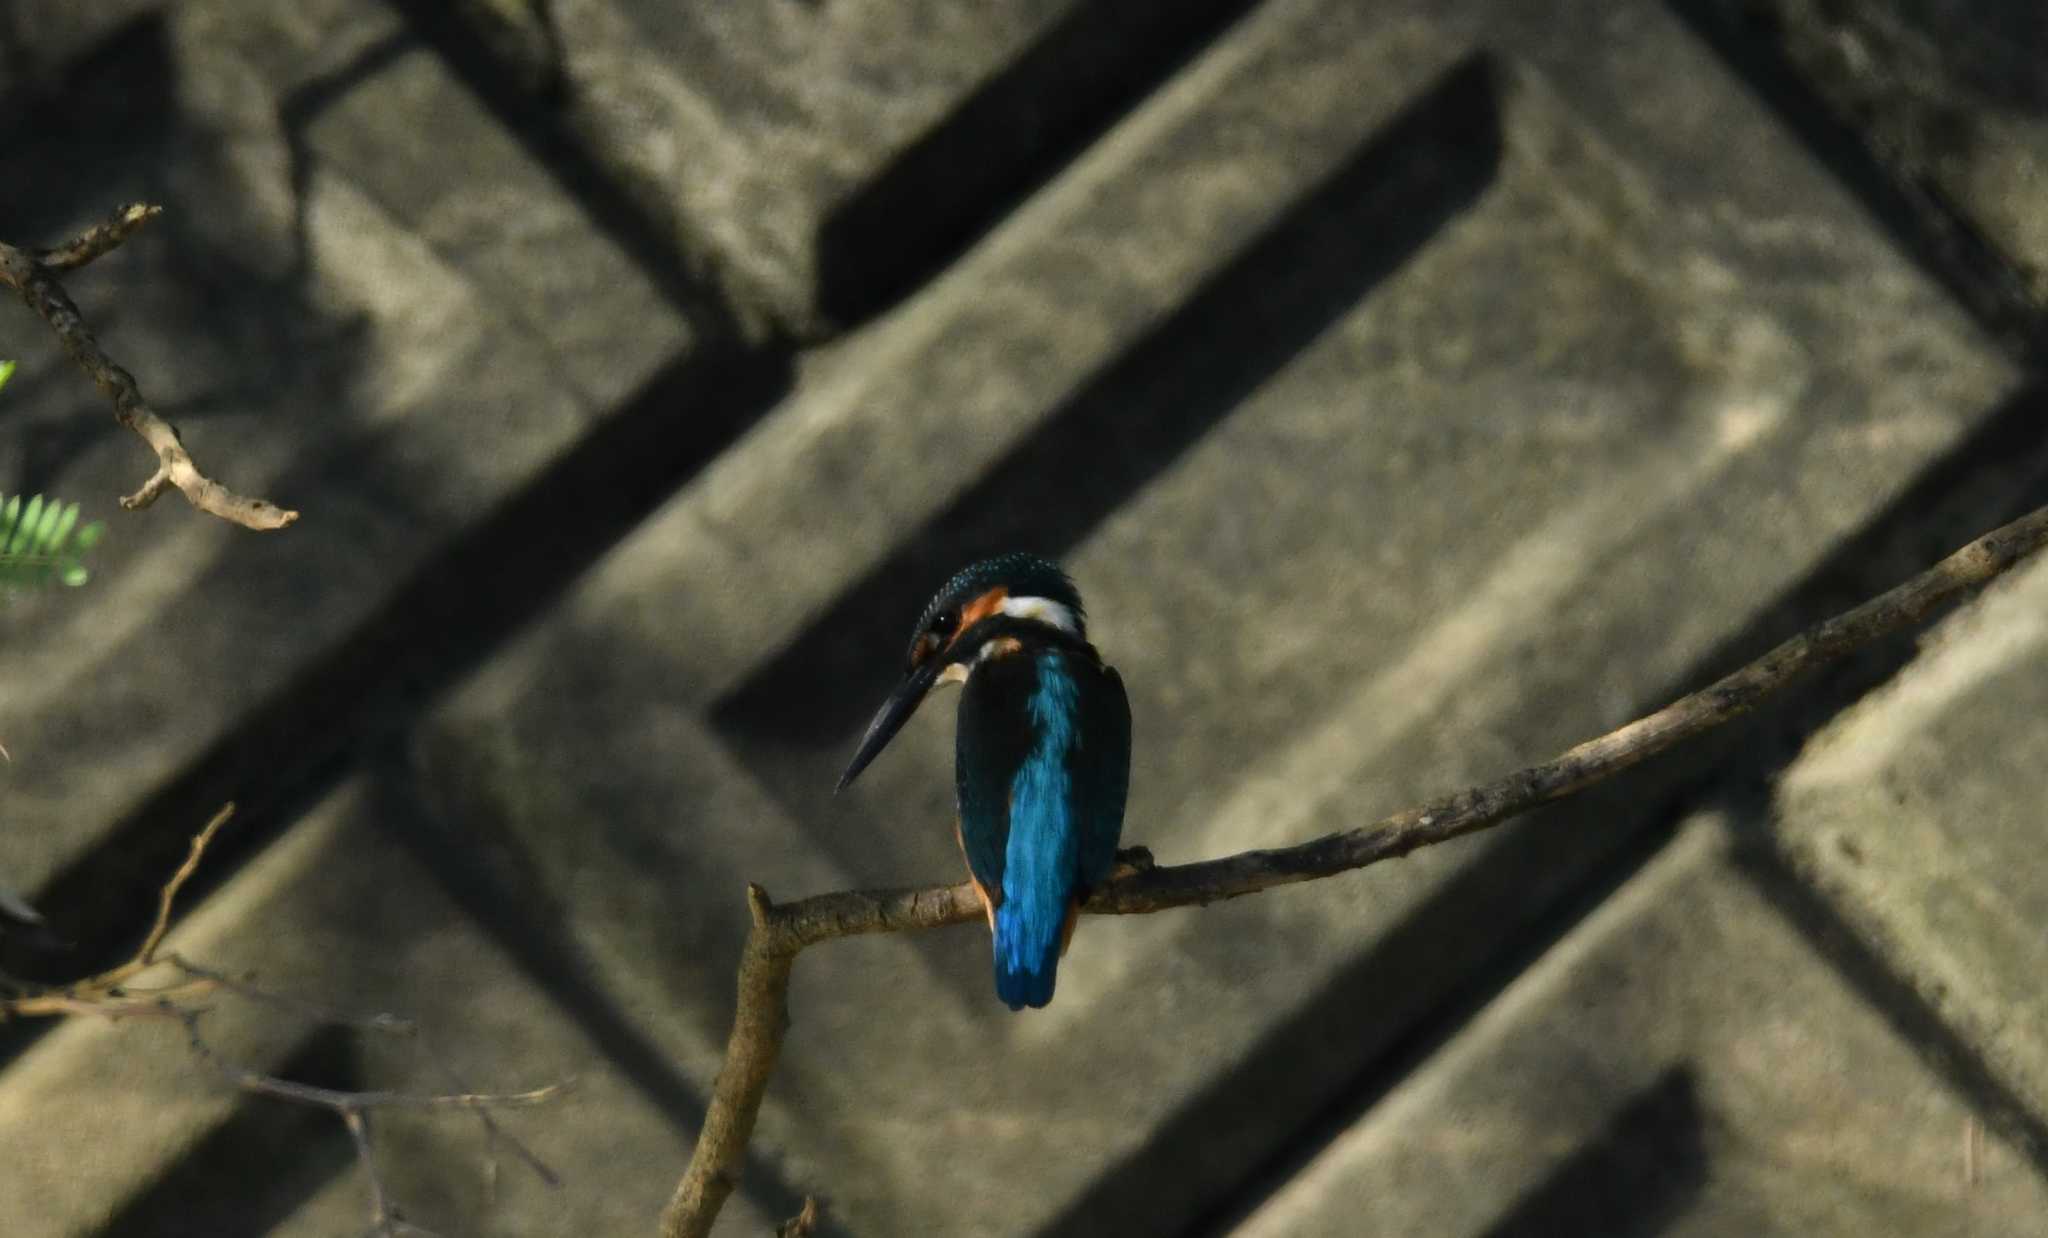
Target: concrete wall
x: 1414, y: 388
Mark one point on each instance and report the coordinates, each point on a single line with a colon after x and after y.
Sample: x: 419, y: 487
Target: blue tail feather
x: 1027, y: 955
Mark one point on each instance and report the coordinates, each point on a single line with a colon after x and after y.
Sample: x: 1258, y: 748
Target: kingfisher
x: 1042, y: 754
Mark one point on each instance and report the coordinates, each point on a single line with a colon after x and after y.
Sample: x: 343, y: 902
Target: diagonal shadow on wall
x: 1009, y: 136
x: 1129, y: 422
x: 285, y: 1152
x: 1629, y: 1181
x: 1332, y: 1060
x: 1931, y: 229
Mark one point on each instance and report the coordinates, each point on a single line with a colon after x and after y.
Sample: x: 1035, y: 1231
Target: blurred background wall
x: 1414, y: 388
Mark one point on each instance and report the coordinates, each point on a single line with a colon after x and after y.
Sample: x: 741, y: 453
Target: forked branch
x: 33, y: 276
x: 110, y: 995
x: 779, y: 932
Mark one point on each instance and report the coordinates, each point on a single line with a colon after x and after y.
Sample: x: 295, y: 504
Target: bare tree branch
x: 168, y: 896
x: 345, y: 1102
x: 110, y: 995
x: 353, y: 1108
x: 385, y: 1219
x: 33, y: 275
x: 750, y: 1055
x: 779, y: 933
x: 494, y: 1134
x: 99, y: 239
x: 105, y: 994
x: 311, y: 1011
x: 385, y: 1024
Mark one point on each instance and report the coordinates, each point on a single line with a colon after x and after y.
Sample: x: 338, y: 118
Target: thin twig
x: 157, y: 1004
x: 33, y: 275
x: 99, y: 239
x: 380, y: 1023
x: 494, y: 1134
x: 104, y: 994
x: 380, y: 1204
x: 341, y: 1101
x: 353, y: 1109
x: 168, y: 896
x: 315, y: 1012
x: 778, y: 933
x: 385, y: 1219
x: 109, y: 996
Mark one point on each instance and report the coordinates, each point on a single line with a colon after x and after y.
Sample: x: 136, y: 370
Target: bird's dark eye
x: 937, y: 633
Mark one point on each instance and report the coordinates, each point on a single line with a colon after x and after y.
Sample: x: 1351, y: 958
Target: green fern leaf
x: 41, y: 541
x: 31, y: 520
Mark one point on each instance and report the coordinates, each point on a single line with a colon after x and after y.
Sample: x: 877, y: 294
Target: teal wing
x: 1042, y: 766
x: 1101, y: 765
x: 992, y: 739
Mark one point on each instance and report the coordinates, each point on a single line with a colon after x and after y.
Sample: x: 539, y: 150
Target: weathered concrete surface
x: 1949, y: 97
x: 1415, y: 389
x: 1919, y: 818
x: 1498, y: 456
x: 1682, y: 1063
x: 1956, y: 89
x: 328, y: 331
x: 817, y: 160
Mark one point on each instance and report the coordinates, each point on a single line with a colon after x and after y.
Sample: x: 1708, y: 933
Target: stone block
x: 327, y: 332
x: 119, y: 1128
x: 1685, y: 1063
x: 1407, y: 411
x: 818, y: 161
x: 1917, y: 816
x: 1950, y: 99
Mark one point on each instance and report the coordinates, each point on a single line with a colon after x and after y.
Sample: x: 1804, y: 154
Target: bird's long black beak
x: 890, y: 718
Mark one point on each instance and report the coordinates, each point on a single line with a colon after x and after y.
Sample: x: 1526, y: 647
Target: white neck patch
x: 1042, y: 610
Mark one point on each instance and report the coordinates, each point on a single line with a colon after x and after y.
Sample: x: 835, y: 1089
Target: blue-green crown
x: 1024, y: 575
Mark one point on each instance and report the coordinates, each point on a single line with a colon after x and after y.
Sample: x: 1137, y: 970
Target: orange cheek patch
x: 981, y: 608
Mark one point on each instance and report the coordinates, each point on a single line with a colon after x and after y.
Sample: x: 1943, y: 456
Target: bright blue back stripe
x: 1041, y: 857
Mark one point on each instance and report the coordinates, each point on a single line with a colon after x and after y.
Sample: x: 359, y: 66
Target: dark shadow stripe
x: 1331, y: 1062
x: 1940, y: 237
x: 533, y: 117
x: 94, y: 138
x: 1632, y: 1179
x: 454, y: 611
x: 1134, y: 418
x: 1908, y: 1014
x: 488, y: 874
x: 265, y: 1162
x: 1010, y: 136
x: 799, y: 713
x: 1317, y: 1071
x: 491, y: 578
